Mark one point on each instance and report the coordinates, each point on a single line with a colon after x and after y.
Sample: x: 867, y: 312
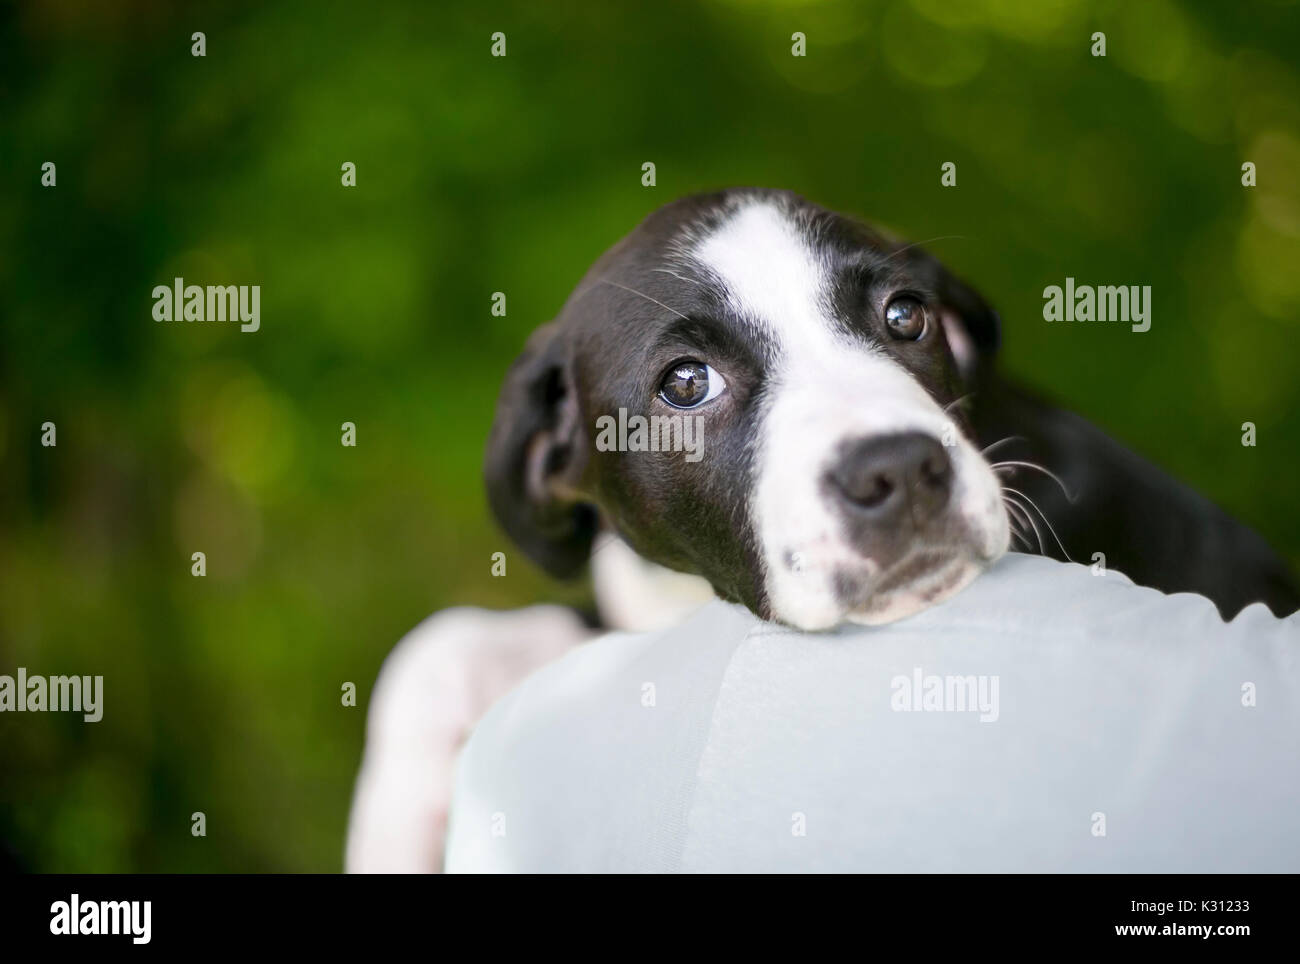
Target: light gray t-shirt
x: 1044, y: 719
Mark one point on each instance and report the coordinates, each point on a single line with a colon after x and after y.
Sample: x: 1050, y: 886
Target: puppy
x: 848, y: 413
x: 845, y: 395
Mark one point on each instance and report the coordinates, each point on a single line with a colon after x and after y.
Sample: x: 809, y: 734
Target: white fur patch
x: 638, y: 596
x: 772, y: 278
x: 434, y: 686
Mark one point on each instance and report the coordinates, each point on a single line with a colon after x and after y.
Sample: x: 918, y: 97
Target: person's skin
x: 1049, y: 717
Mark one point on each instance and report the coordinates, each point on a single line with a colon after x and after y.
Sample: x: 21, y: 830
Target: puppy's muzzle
x: 891, y: 480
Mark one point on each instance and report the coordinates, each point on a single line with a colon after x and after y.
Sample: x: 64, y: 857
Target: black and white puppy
x: 845, y: 392
x: 840, y: 473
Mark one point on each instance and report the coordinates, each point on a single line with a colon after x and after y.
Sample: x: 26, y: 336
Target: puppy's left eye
x: 906, y: 318
x: 689, y: 384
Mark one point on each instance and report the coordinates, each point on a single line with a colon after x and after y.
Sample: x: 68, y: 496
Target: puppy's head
x: 831, y: 474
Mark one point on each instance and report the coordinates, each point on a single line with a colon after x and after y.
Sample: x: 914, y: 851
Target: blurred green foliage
x: 477, y: 175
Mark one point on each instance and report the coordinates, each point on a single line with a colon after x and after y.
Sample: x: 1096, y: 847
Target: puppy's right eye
x: 689, y: 384
x: 906, y: 318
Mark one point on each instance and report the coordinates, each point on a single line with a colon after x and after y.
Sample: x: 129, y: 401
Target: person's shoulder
x: 593, y: 747
x: 1046, y: 598
x: 600, y: 669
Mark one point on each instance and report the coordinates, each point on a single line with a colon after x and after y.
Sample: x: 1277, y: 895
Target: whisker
x: 1002, y: 441
x: 917, y: 244
x: 1015, y: 521
x: 639, y: 294
x: 1023, y: 539
x: 1038, y: 534
x: 679, y: 277
x: 1034, y: 465
x: 1047, y: 522
x: 1018, y: 516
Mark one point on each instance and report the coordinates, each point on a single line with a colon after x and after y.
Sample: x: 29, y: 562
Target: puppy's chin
x: 930, y: 589
x: 922, y: 579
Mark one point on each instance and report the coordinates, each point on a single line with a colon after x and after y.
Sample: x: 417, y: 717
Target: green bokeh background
x: 477, y: 175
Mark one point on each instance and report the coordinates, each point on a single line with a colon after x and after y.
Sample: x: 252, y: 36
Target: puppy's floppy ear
x: 535, y: 456
x: 972, y: 328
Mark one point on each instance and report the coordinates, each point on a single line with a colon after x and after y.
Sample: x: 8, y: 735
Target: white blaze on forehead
x: 771, y: 275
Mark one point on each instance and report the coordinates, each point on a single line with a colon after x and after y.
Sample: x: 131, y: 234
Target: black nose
x: 886, y: 478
